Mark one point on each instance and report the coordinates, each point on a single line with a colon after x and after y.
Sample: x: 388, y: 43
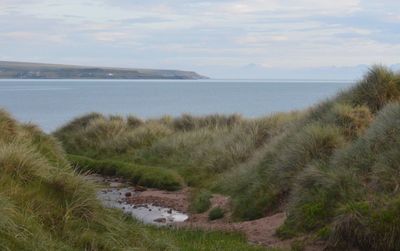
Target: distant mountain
x: 256, y: 71
x: 21, y: 70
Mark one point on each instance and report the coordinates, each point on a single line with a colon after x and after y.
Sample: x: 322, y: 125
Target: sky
x: 220, y: 38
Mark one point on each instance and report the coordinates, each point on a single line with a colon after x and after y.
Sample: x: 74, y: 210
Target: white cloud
x: 299, y: 7
x: 183, y: 33
x: 32, y: 36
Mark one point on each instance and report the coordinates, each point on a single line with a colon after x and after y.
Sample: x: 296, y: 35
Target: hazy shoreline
x: 23, y: 70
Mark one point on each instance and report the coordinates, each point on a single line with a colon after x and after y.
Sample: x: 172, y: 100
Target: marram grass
x: 45, y: 205
x: 333, y: 168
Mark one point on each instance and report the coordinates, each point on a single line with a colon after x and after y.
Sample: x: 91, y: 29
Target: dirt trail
x: 260, y: 231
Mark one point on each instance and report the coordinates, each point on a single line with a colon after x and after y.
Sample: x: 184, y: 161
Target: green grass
x: 153, y: 177
x: 333, y: 167
x: 198, y: 148
x: 46, y: 205
x: 216, y: 213
x: 201, y: 201
x: 195, y: 240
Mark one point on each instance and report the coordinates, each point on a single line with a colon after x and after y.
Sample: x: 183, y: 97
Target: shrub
x: 215, y: 213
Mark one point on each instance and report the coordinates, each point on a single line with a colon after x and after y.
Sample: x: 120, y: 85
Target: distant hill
x: 22, y: 70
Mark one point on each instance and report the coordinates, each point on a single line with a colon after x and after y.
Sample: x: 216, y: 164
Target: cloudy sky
x: 211, y: 37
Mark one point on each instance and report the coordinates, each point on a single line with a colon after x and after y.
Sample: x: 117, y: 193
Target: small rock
x: 128, y: 194
x: 169, y: 211
x: 160, y: 220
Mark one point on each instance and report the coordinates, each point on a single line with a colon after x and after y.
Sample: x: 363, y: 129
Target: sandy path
x: 260, y: 231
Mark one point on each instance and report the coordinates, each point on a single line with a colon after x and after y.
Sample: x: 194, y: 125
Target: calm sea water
x: 50, y: 103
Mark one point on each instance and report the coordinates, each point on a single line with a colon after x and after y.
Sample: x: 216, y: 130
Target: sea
x: 52, y: 103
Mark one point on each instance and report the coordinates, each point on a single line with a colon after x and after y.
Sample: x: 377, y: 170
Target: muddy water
x: 114, y: 194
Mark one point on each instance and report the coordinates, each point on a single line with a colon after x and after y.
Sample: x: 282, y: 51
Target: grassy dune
x: 45, y: 205
x: 333, y: 168
x: 196, y: 148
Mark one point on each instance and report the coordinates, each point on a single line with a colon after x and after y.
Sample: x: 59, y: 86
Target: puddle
x: 115, y: 197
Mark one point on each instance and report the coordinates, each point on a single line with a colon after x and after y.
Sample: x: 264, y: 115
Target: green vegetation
x: 45, y: 205
x: 197, y: 148
x: 155, y: 177
x: 334, y: 171
x: 333, y: 168
x: 201, y: 201
x: 216, y: 213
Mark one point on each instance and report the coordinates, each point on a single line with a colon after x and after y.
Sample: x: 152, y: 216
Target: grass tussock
x: 201, y: 201
x: 216, y: 213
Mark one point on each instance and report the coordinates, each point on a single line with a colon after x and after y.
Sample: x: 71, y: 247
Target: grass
x: 153, y: 177
x: 46, y: 205
x: 216, y: 213
x: 195, y: 240
x: 198, y: 148
x: 201, y: 201
x: 333, y: 167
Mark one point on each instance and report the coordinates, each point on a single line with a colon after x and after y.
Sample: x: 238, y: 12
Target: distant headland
x: 23, y: 70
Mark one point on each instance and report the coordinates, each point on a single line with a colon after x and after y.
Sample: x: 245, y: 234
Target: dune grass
x: 45, y: 205
x: 197, y: 148
x: 323, y: 169
x: 333, y: 168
